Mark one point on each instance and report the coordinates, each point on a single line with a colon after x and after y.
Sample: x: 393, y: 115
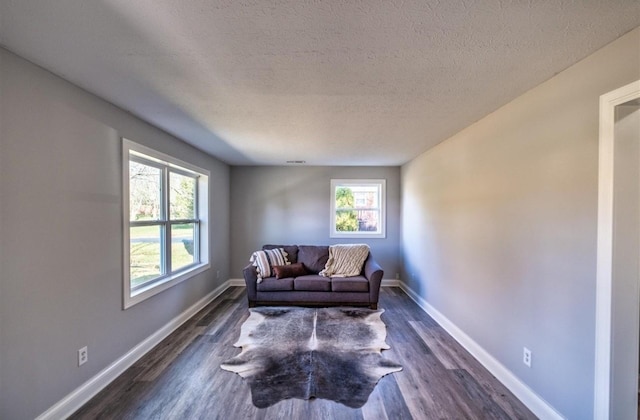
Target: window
x: 165, y: 215
x: 358, y: 208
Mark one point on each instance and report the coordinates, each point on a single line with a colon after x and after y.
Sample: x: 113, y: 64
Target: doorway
x: 618, y: 272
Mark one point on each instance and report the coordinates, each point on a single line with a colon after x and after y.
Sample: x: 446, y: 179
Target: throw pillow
x: 291, y: 270
x: 264, y: 260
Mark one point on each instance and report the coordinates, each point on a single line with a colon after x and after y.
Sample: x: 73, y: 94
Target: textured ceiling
x: 335, y: 82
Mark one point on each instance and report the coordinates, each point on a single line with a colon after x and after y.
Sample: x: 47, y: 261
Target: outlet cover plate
x: 83, y: 356
x: 526, y: 357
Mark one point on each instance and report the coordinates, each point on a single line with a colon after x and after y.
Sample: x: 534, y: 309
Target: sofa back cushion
x: 291, y: 250
x: 313, y: 257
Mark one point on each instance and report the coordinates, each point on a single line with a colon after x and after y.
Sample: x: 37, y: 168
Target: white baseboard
x: 390, y: 283
x: 541, y: 408
x: 77, y: 398
x: 237, y: 283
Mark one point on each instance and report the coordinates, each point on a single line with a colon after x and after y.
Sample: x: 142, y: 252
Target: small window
x: 358, y: 208
x: 165, y: 214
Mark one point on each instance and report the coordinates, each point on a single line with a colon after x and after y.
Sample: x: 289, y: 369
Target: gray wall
x: 499, y: 227
x: 290, y: 205
x: 61, y: 237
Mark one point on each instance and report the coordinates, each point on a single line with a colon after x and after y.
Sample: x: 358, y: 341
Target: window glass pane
x: 145, y: 250
x: 368, y: 220
x: 357, y: 196
x: 344, y: 198
x: 346, y: 221
x: 366, y: 196
x: 357, y: 220
x: 182, y: 197
x: 144, y: 192
x: 182, y: 245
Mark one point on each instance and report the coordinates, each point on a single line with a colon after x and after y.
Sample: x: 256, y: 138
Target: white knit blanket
x: 345, y: 260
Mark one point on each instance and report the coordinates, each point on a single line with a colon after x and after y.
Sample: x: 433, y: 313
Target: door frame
x: 604, y: 271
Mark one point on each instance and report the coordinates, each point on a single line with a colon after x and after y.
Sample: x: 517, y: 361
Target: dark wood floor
x: 181, y: 377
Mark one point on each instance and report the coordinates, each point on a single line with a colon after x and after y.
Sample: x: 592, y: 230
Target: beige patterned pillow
x: 265, y: 260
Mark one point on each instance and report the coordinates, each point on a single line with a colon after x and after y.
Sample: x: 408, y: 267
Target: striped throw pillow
x: 264, y: 260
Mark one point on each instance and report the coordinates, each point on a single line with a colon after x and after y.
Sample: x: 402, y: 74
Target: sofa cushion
x: 291, y: 270
x: 312, y: 282
x: 349, y: 284
x: 272, y: 284
x: 291, y: 250
x: 313, y: 257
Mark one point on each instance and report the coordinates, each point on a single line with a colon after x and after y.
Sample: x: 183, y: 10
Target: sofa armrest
x: 373, y: 272
x: 251, y: 280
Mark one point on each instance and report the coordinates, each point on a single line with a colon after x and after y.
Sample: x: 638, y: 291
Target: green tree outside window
x: 346, y: 220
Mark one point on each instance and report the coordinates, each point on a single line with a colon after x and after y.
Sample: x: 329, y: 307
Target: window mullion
x: 358, y: 209
x: 196, y: 238
x: 136, y: 223
x: 165, y: 217
x: 196, y: 223
x: 183, y: 221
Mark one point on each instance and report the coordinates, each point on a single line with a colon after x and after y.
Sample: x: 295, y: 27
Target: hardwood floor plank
x: 186, y: 339
x: 474, y: 397
x: 437, y: 346
x: 217, y: 311
x: 425, y: 387
x: 218, y: 327
x: 374, y: 409
x: 181, y: 377
x: 394, y: 403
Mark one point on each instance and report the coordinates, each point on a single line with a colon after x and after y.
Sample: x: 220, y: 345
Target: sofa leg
x: 373, y: 306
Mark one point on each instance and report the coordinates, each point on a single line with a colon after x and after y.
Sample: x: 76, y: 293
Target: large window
x: 358, y: 208
x: 165, y: 213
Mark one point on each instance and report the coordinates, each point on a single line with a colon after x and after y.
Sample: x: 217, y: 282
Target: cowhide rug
x: 330, y: 353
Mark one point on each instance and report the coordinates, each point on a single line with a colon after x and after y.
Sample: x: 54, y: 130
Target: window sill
x: 359, y: 235
x: 133, y: 298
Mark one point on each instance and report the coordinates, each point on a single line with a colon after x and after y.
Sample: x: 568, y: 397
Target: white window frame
x: 130, y: 149
x: 382, y: 199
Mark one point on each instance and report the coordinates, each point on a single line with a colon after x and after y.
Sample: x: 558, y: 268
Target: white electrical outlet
x: 397, y: 276
x: 83, y: 356
x: 526, y: 357
x: 217, y: 274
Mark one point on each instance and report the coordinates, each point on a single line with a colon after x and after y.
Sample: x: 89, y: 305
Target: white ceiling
x: 358, y: 82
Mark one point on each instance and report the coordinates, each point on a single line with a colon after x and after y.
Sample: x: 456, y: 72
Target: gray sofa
x: 312, y: 289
